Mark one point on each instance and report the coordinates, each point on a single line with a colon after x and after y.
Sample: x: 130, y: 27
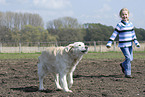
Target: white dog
x: 61, y: 62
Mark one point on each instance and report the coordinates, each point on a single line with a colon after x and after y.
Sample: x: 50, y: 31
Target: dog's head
x: 77, y: 47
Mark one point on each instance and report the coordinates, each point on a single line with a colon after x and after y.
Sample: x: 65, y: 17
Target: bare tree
x: 66, y: 28
x: 64, y: 22
x: 18, y: 20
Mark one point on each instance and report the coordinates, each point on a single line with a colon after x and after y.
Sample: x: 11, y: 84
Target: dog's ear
x: 69, y: 47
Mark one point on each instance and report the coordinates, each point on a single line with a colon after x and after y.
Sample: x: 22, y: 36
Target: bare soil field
x: 92, y: 78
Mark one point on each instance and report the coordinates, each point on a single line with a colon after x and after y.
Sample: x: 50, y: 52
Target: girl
x: 126, y: 32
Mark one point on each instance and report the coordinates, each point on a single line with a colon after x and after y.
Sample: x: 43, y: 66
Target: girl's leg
x: 131, y: 52
x: 127, y: 51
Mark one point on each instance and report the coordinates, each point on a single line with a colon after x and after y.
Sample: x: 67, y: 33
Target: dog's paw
x: 69, y: 91
x: 59, y: 89
x: 43, y: 89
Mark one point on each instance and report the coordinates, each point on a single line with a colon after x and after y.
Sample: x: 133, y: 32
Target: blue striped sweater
x: 126, y: 35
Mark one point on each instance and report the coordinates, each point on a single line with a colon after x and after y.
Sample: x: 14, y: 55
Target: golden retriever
x: 61, y: 62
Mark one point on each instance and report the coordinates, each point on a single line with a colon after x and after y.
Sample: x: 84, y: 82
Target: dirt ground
x: 92, y: 78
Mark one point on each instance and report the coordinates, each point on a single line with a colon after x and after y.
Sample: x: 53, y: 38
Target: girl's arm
x: 135, y: 39
x: 111, y: 39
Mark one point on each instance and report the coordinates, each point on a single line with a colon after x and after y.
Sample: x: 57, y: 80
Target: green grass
x: 90, y: 55
x: 103, y: 55
x: 113, y: 55
x: 19, y: 55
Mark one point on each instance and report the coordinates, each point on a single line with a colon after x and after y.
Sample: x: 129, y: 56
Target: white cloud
x: 116, y: 16
x: 2, y: 1
x: 52, y: 4
x: 98, y: 16
x: 105, y: 8
x: 103, y: 12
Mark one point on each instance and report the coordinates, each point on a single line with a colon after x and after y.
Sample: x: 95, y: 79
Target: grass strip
x: 90, y: 55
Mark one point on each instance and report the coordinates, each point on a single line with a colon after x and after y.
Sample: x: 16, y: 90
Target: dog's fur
x: 61, y: 62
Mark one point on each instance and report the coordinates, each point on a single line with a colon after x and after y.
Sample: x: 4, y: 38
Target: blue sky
x: 85, y: 11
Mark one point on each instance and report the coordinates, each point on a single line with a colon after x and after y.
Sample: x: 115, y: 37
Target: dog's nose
x: 86, y: 47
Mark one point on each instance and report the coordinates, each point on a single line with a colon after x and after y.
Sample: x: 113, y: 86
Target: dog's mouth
x: 86, y: 49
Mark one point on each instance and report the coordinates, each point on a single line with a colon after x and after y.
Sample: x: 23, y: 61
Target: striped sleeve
x: 112, y: 38
x: 135, y: 39
x: 133, y: 34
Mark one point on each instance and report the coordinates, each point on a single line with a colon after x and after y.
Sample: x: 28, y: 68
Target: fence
x: 32, y: 47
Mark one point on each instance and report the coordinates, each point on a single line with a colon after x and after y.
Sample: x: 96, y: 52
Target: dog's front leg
x: 70, y: 76
x: 57, y: 81
x: 63, y: 82
x: 70, y: 79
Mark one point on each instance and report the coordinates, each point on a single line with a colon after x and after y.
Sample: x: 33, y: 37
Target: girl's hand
x: 108, y: 46
x: 138, y: 46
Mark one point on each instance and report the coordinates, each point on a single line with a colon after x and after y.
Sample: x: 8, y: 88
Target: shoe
x: 128, y: 76
x: 122, y: 67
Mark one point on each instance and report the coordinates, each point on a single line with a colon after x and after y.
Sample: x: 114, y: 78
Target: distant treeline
x: 27, y: 27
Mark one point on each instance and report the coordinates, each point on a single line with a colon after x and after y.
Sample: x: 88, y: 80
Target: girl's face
x: 125, y: 16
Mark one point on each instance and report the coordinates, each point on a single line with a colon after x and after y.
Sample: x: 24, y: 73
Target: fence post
x: 0, y: 47
x: 100, y: 46
x: 38, y: 46
x: 94, y: 46
x: 20, y: 50
x: 56, y: 44
x: 114, y: 45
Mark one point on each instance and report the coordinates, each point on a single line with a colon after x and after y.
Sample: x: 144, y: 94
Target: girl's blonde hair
x: 123, y: 9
